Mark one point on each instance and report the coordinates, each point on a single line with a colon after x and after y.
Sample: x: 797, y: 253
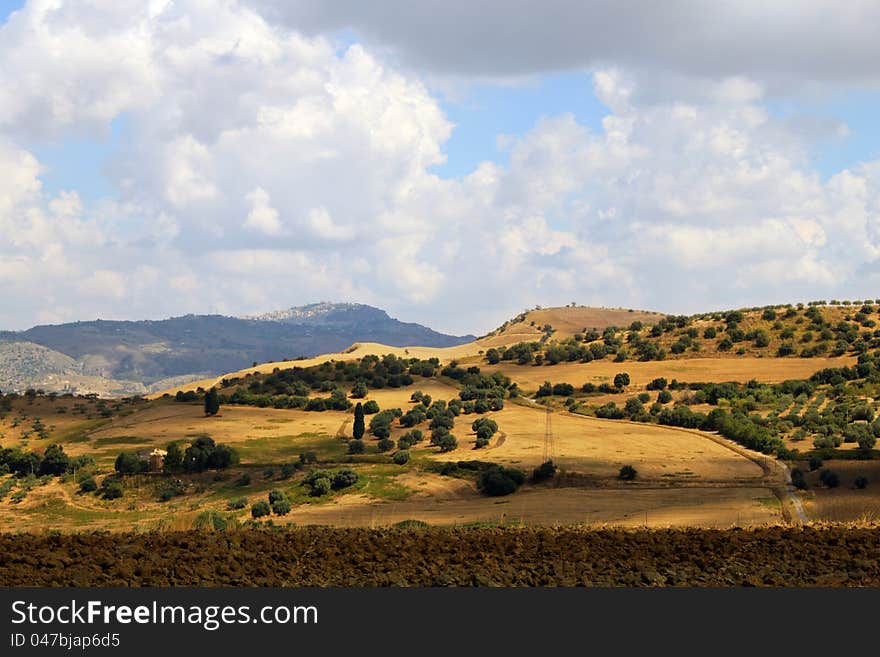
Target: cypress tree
x: 359, y: 428
x: 212, y: 402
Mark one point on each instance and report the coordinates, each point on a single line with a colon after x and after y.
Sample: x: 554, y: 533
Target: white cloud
x: 262, y: 217
x: 262, y: 168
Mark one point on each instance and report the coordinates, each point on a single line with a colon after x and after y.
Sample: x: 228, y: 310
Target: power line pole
x: 549, y: 445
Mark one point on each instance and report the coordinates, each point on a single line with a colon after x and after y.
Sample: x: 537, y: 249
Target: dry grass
x: 567, y: 321
x: 769, y: 370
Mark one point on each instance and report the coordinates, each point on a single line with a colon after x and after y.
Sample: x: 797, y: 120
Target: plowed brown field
x: 769, y: 556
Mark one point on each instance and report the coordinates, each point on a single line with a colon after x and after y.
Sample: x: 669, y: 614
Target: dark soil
x: 774, y: 556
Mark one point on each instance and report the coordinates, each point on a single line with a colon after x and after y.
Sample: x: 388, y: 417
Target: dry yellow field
x: 567, y: 321
x: 703, y: 507
x: 769, y: 370
x: 599, y: 448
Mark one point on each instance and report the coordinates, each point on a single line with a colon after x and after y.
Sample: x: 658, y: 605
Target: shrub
x: 401, y: 457
x: 308, y: 457
x: 446, y: 442
x: 237, y: 504
x: 798, y: 480
x: 260, y: 509
x: 321, y: 486
x: 861, y: 482
x: 544, y: 471
x: 344, y: 479
x: 356, y: 447
x: 497, y: 480
x: 279, y: 502
x: 627, y: 473
x: 243, y: 480
x: 815, y: 463
x: 664, y: 397
x: 621, y: 380
x: 657, y: 384
x: 111, y: 490
x: 830, y: 478
x: 88, y: 485
x: 371, y: 407
x: 385, y: 445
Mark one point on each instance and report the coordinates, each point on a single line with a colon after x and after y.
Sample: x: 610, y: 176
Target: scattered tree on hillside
x: 621, y: 380
x: 359, y: 428
x: 212, y: 402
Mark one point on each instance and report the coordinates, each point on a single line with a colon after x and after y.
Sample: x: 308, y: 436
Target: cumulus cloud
x: 737, y: 48
x: 263, y: 166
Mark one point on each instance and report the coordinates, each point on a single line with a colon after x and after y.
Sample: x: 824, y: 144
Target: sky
x: 452, y: 163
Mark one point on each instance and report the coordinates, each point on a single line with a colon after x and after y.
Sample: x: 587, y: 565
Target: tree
x: 88, y: 485
x: 493, y: 356
x: 127, y: 463
x: 544, y: 471
x: 55, y: 462
x: 356, y: 447
x: 279, y: 502
x: 260, y: 509
x: 664, y: 397
x: 385, y: 445
x: 830, y: 478
x: 111, y: 489
x: 359, y: 428
x: 401, y: 457
x: 497, y: 480
x: 344, y: 479
x: 621, y: 380
x: 212, y: 402
x: 371, y: 407
x: 627, y: 473
x: 861, y: 482
x: 173, y: 462
x: 359, y: 390
x: 444, y: 440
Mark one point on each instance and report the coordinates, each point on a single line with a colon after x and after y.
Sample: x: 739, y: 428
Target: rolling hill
x: 132, y: 357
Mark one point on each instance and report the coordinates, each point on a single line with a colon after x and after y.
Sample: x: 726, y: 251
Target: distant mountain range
x: 132, y: 357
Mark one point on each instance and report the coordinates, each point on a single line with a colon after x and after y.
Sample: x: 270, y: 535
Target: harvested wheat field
x: 743, y: 369
x: 719, y: 507
x: 772, y: 556
x: 600, y: 447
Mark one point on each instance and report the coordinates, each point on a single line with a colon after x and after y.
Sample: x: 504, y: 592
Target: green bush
x: 279, y: 502
x: 497, y: 480
x: 88, y: 485
x: 237, y: 504
x: 861, y: 482
x: 544, y: 472
x: 627, y: 473
x: 321, y: 486
x: 798, y: 480
x: 356, y: 447
x: 344, y: 479
x: 111, y: 490
x: 401, y: 457
x: 830, y: 478
x: 385, y: 445
x: 260, y: 509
